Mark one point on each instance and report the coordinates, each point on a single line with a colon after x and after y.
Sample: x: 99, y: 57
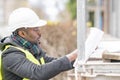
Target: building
x: 105, y: 14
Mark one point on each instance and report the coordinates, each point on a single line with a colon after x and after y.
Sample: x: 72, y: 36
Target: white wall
x: 1, y: 12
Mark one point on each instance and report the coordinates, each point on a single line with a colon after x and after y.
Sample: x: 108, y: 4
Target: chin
x: 33, y: 42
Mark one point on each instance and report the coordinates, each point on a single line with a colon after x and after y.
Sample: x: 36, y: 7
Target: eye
x: 36, y: 29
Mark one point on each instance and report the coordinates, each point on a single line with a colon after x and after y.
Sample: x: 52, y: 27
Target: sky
x: 51, y: 7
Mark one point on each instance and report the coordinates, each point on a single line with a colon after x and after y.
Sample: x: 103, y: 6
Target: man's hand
x: 73, y: 55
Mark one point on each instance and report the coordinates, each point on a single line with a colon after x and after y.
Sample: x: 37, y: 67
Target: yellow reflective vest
x: 29, y: 56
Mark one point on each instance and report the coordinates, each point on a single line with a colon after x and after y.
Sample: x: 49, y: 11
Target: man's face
x: 33, y: 35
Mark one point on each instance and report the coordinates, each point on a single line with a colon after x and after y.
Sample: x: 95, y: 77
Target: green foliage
x: 72, y: 8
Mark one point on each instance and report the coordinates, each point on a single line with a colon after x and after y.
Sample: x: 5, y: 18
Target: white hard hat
x: 24, y: 17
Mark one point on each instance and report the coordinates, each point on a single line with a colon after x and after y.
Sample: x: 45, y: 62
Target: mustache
x: 38, y: 41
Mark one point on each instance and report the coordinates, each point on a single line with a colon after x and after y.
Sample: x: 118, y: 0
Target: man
x: 22, y: 56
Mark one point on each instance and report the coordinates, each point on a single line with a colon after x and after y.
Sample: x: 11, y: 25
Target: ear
x: 22, y: 33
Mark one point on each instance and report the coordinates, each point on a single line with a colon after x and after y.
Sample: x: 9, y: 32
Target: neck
x: 33, y: 48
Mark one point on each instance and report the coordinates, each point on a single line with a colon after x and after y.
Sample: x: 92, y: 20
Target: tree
x: 72, y: 8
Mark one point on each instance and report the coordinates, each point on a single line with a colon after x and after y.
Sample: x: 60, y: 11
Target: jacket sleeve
x: 46, y: 57
x: 17, y: 63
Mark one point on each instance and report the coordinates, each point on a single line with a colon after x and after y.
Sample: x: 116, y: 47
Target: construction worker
x: 22, y: 57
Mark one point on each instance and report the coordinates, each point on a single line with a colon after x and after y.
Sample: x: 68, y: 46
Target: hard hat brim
x: 40, y: 23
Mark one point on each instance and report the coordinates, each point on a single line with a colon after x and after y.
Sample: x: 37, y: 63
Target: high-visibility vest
x: 29, y: 56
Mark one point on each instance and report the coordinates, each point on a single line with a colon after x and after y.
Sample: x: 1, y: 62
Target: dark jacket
x: 16, y: 66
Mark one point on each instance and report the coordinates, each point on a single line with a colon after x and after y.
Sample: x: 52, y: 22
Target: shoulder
x: 12, y: 52
x: 12, y: 56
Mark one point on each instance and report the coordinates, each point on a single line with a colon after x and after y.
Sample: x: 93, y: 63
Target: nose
x: 38, y: 32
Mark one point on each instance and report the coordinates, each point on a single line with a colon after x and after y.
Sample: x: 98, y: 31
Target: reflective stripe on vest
x: 29, y: 56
